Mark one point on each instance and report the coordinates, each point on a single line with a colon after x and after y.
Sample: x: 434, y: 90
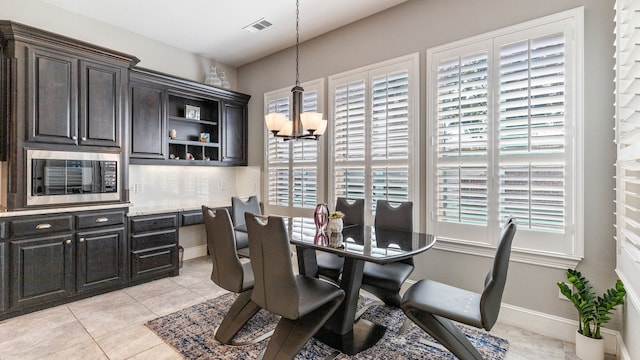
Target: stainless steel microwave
x: 65, y: 177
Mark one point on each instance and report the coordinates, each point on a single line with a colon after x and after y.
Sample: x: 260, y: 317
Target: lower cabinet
x: 54, y: 258
x: 4, y: 277
x: 47, y: 260
x: 42, y: 270
x: 154, y: 245
x: 100, y: 259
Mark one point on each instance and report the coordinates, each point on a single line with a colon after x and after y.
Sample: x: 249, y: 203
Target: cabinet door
x: 41, y: 270
x: 148, y: 134
x: 234, y: 130
x: 100, y: 104
x: 4, y: 274
x: 100, y: 260
x: 52, y: 97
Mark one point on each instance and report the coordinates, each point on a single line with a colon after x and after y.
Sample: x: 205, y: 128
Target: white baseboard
x: 554, y: 326
x: 623, y: 353
x: 193, y: 252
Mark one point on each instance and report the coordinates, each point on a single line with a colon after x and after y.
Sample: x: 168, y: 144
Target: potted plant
x: 593, y: 312
x: 335, y: 221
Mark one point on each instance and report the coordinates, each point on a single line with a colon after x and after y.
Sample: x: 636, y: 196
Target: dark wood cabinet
x: 148, y: 131
x: 234, y: 130
x: 101, y: 99
x: 54, y: 258
x: 163, y: 131
x: 42, y: 270
x: 4, y: 276
x: 101, y: 259
x: 52, y: 96
x: 154, y: 246
x: 60, y: 94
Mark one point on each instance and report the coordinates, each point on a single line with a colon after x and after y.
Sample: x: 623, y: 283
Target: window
x: 628, y: 162
x: 506, y: 129
x: 374, y: 129
x: 292, y: 166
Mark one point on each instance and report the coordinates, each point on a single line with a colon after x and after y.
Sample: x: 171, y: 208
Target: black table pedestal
x: 364, y: 335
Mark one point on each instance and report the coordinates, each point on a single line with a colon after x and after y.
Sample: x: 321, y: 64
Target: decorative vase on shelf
x: 212, y: 77
x: 336, y: 225
x: 223, y: 80
x: 321, y: 217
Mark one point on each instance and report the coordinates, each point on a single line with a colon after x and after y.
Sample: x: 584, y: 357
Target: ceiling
x: 214, y: 29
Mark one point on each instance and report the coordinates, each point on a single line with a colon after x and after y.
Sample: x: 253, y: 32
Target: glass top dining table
x: 357, y: 244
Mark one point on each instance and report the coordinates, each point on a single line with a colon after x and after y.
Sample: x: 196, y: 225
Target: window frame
x: 411, y: 63
x: 572, y: 249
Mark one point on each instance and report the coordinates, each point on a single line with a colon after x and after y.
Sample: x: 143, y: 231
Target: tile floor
x: 111, y: 326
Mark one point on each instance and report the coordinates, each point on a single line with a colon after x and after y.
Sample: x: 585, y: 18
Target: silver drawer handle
x: 102, y: 219
x: 43, y: 226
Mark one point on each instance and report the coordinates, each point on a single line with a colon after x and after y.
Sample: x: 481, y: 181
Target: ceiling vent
x: 257, y: 26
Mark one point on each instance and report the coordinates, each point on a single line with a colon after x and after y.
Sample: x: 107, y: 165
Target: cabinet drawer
x: 40, y: 226
x: 153, y: 261
x: 191, y: 218
x: 155, y: 222
x: 154, y: 239
x: 86, y: 221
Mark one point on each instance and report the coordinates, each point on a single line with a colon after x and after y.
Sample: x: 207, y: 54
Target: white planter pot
x: 588, y: 348
x: 336, y: 225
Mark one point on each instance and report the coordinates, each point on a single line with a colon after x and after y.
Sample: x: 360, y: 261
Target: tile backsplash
x: 187, y: 187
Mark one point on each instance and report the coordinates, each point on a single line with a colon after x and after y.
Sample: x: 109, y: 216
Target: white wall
x: 417, y: 25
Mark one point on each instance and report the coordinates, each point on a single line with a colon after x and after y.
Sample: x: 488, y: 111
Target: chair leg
x: 389, y: 297
x: 291, y: 335
x: 446, y: 332
x: 239, y: 314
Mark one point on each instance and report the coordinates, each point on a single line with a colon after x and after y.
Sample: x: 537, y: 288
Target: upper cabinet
x: 60, y: 94
x: 66, y: 92
x: 180, y: 122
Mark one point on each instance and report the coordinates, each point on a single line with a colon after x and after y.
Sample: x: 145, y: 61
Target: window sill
x: 518, y: 255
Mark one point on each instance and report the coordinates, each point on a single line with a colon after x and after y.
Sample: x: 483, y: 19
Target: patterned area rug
x: 190, y: 332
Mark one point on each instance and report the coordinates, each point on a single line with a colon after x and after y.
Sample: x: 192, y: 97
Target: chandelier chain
x: 297, y: 40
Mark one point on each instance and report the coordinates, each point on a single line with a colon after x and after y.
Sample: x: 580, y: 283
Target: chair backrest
x: 394, y: 217
x: 227, y: 272
x: 275, y: 288
x: 239, y: 207
x: 497, y: 277
x: 391, y: 217
x: 353, y: 210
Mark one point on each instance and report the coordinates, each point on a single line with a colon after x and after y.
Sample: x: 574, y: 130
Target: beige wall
x: 420, y: 24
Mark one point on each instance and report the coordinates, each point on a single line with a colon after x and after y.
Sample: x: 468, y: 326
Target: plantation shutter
x: 390, y: 137
x: 532, y: 132
x: 628, y: 143
x: 374, y: 130
x: 462, y: 139
x: 505, y: 135
x: 278, y: 159
x: 304, y: 162
x: 292, y: 166
x: 350, y: 139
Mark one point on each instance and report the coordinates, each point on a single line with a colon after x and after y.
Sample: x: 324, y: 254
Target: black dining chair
x: 330, y: 265
x: 303, y: 303
x: 385, y: 280
x: 238, y: 208
x: 435, y: 306
x: 230, y: 274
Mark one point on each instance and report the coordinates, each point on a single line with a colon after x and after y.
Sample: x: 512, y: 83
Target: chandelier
x: 306, y: 125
